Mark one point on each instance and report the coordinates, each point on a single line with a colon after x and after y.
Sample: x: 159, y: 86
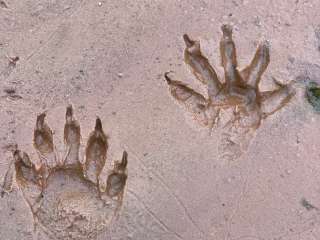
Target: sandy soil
x: 108, y: 59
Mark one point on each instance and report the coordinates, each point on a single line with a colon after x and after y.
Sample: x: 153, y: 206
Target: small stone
x: 99, y: 4
x: 120, y: 75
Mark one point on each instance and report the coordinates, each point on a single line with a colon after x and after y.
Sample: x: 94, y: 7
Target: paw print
x: 235, y: 104
x: 64, y: 194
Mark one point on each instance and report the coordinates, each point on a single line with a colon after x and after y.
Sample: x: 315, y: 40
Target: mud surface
x: 107, y: 58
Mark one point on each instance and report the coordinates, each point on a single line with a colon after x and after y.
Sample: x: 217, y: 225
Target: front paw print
x: 235, y: 104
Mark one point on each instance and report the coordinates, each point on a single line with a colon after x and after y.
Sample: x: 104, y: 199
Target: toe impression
x: 43, y: 142
x: 96, y: 153
x: 117, y: 179
x: 72, y: 138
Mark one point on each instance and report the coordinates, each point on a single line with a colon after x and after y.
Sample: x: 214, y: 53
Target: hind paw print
x: 236, y: 103
x: 64, y: 194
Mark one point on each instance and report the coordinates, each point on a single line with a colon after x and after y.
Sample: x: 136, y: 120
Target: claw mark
x: 239, y: 90
x: 64, y: 195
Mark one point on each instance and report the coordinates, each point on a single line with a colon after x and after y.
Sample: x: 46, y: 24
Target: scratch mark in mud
x: 248, y: 237
x: 154, y: 215
x: 302, y: 227
x: 240, y: 199
x: 9, y: 69
x: 170, y: 191
x: 52, y: 34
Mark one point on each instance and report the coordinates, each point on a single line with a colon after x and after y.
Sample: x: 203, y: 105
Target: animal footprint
x: 236, y: 105
x: 65, y: 195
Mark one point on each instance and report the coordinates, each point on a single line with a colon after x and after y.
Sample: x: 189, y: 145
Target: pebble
x: 99, y: 4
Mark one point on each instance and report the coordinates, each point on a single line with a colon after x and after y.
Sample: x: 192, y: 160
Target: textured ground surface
x: 108, y: 59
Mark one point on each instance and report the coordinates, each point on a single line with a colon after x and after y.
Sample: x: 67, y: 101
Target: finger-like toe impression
x: 72, y: 137
x: 25, y: 169
x: 273, y: 101
x: 96, y: 152
x: 180, y: 91
x: 229, y: 57
x: 117, y: 179
x: 29, y: 179
x: 43, y: 141
x: 6, y: 186
x: 189, y: 99
x: 252, y: 74
x: 263, y: 54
